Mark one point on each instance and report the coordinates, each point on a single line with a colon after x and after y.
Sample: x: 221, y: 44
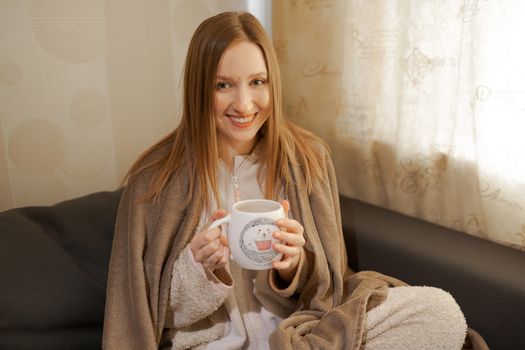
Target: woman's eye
x: 223, y: 85
x: 258, y: 82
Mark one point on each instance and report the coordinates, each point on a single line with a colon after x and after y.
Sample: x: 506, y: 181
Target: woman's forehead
x: 242, y: 60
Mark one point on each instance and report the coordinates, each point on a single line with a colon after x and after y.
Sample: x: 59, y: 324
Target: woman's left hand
x: 292, y: 240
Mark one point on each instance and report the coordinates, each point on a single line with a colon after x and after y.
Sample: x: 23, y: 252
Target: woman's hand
x: 209, y: 247
x: 292, y: 240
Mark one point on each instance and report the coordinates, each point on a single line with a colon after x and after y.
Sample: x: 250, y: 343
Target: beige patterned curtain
x: 85, y: 86
x: 422, y: 102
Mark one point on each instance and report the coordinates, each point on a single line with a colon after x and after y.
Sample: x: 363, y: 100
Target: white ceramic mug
x: 251, y: 225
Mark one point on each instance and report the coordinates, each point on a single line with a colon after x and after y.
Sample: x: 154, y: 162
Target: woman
x: 171, y: 283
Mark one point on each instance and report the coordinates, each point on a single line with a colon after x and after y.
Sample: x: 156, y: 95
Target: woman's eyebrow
x: 259, y: 74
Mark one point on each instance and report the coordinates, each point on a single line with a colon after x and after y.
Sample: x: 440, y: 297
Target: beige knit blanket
x: 149, y: 237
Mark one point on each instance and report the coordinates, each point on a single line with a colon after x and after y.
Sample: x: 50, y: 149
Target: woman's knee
x: 416, y: 317
x: 442, y: 314
x: 442, y: 304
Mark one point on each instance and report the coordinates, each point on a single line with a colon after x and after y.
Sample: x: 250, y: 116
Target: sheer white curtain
x: 422, y: 102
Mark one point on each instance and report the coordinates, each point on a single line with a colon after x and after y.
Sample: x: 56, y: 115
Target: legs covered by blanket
x: 416, y: 318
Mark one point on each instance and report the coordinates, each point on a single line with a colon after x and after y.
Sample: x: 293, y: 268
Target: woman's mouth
x: 243, y: 121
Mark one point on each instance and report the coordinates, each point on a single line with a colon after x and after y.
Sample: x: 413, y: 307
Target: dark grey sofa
x: 53, y: 270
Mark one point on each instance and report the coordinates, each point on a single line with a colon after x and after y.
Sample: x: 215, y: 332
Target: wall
x: 86, y: 86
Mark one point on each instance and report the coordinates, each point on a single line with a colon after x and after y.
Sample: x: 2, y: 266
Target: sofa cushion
x: 53, y: 268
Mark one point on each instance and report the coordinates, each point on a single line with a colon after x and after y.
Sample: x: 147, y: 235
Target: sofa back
x: 53, y: 271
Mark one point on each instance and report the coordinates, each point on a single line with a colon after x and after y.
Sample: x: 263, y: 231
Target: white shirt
x: 258, y: 322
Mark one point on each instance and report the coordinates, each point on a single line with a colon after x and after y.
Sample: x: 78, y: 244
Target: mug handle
x: 219, y: 222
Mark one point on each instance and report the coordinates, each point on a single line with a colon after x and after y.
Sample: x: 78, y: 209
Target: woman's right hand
x: 207, y: 246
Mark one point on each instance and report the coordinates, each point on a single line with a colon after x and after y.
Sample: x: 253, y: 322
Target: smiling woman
x: 171, y: 281
x: 242, y: 101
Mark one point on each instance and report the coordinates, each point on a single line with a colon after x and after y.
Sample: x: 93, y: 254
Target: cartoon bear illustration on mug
x: 256, y: 240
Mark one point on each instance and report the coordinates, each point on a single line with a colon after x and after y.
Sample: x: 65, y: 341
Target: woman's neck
x: 228, y: 151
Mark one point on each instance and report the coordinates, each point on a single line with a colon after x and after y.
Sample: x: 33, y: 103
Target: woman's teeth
x: 242, y: 120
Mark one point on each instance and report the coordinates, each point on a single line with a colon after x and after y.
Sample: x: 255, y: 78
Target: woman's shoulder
x: 156, y: 153
x: 309, y: 139
x: 148, y: 163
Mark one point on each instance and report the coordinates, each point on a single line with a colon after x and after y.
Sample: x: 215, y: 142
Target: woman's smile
x: 242, y: 121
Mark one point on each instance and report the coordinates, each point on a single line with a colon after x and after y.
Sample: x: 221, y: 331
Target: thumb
x: 217, y: 214
x: 286, y: 206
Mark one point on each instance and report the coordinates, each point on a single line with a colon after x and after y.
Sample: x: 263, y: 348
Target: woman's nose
x: 243, y: 101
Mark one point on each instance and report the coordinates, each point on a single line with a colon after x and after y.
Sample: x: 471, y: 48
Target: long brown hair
x: 194, y: 142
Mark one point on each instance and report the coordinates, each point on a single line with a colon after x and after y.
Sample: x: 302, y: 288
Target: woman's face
x: 242, y: 99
